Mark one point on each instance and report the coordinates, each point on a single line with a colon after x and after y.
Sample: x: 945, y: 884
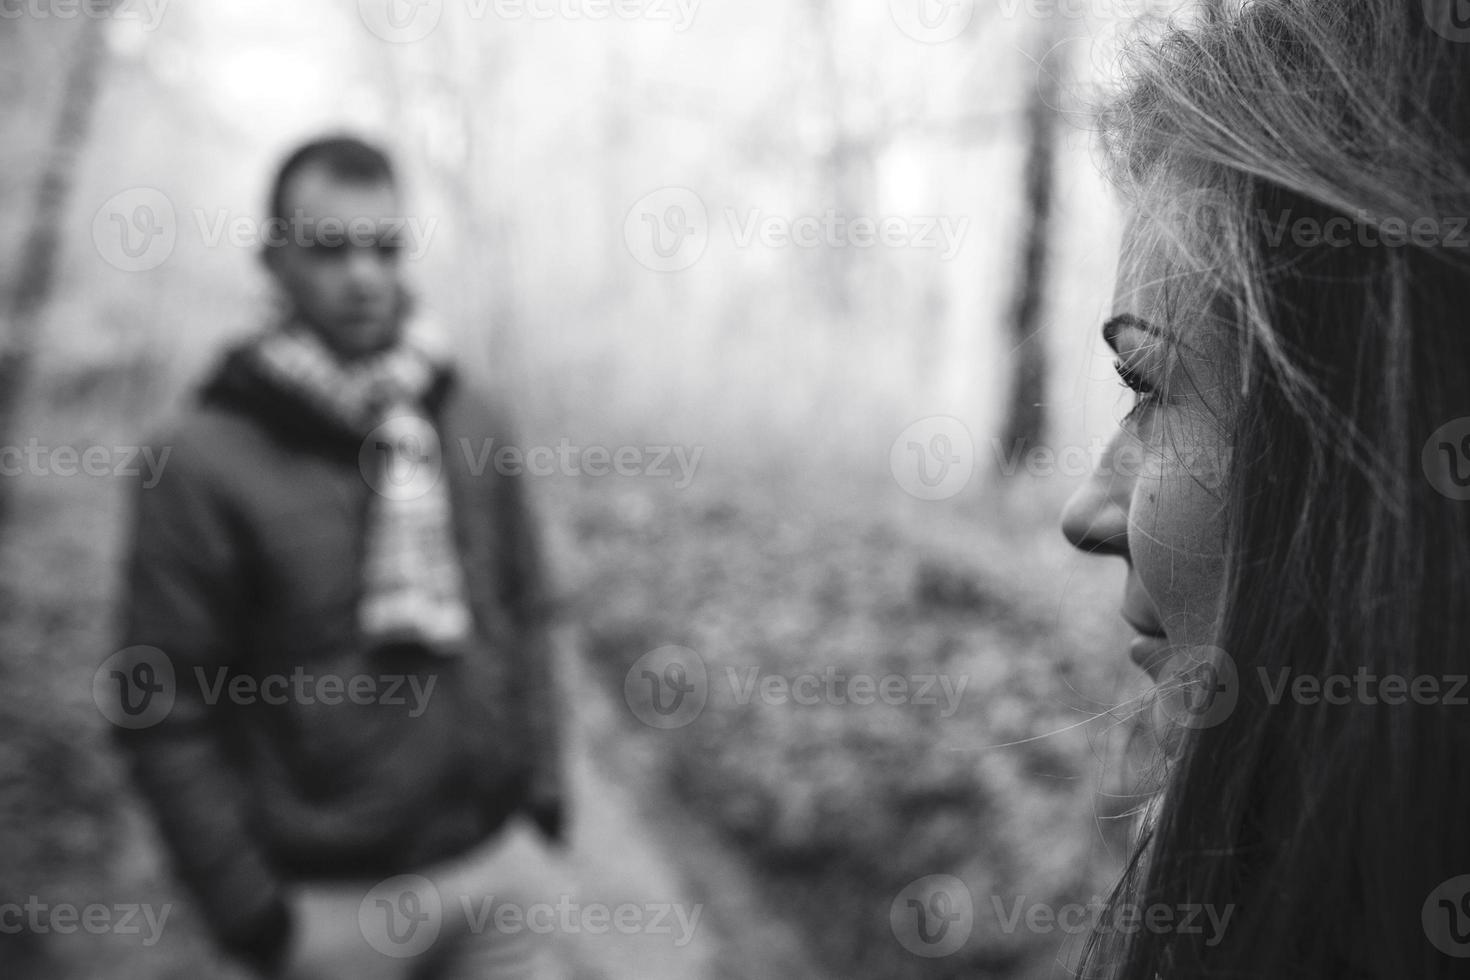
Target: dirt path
x: 631, y: 845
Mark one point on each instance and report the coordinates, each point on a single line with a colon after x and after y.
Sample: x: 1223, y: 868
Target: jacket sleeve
x: 528, y: 599
x: 185, y: 596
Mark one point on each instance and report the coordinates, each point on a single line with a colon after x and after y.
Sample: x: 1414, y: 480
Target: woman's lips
x: 1150, y: 653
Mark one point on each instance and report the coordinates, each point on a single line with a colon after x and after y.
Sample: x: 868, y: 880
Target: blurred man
x: 353, y: 612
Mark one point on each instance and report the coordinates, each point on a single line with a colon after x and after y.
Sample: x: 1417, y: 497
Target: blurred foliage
x: 842, y: 805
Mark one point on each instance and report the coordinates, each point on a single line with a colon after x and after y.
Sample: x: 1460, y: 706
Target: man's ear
x: 407, y: 302
x: 273, y: 260
x: 274, y: 264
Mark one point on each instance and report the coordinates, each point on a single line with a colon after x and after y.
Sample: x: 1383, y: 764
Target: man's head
x: 333, y: 242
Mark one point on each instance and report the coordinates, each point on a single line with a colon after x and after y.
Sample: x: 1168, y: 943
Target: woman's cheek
x: 1176, y: 537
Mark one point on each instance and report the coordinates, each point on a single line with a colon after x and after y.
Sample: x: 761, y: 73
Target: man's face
x: 339, y: 263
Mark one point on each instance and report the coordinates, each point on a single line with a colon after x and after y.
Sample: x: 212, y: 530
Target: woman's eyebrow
x: 1110, y: 329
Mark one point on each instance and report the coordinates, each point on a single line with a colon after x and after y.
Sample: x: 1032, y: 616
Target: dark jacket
x: 247, y: 559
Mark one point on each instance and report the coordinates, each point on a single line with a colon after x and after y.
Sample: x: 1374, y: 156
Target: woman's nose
x: 365, y: 268
x: 1095, y: 519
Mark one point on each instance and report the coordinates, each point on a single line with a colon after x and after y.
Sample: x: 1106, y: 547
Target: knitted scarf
x: 413, y: 588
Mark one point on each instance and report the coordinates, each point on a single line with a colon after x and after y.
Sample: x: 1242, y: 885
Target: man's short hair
x: 345, y: 158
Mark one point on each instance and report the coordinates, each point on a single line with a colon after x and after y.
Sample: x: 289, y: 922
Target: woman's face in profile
x: 1156, y: 498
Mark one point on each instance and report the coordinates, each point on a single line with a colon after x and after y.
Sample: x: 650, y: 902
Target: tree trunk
x: 1025, y: 420
x: 36, y: 263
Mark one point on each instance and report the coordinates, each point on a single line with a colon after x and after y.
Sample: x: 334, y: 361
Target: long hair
x: 1323, y: 826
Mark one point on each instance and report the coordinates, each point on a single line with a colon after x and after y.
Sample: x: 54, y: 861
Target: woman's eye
x: 1146, y: 393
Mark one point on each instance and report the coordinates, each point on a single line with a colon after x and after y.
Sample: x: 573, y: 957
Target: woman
x: 1289, y: 491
